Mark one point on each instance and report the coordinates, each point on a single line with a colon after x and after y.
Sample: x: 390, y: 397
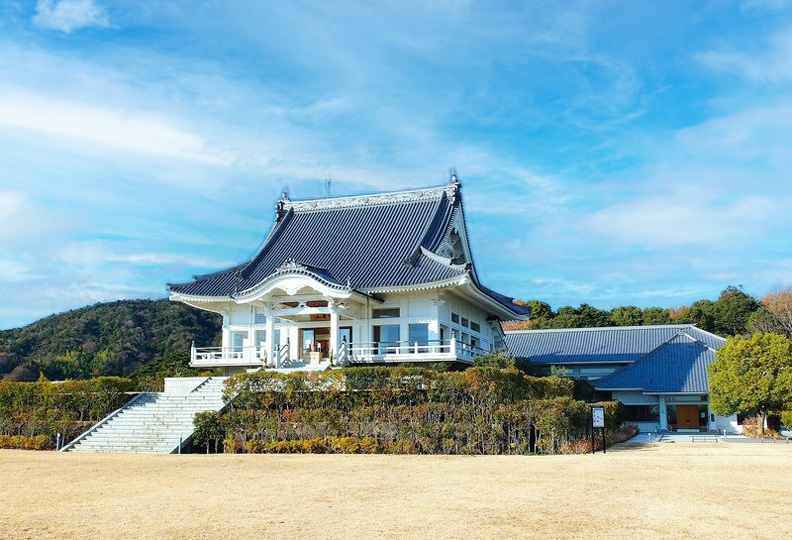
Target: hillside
x: 114, y: 338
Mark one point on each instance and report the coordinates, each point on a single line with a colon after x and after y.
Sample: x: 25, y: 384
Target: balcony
x: 404, y: 351
x: 355, y: 353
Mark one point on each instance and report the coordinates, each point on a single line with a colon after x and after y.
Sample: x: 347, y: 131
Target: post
x: 192, y: 353
x: 603, y: 440
x: 333, y: 328
x: 58, y: 442
x: 592, y: 432
x: 180, y: 443
x: 270, y: 331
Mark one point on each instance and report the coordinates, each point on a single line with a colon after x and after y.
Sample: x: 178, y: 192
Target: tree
x: 700, y: 314
x: 779, y: 304
x: 764, y: 321
x: 752, y: 376
x: 626, y: 316
x: 731, y: 311
x: 656, y: 315
x: 591, y: 316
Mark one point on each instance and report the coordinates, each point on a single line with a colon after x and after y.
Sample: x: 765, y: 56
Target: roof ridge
x: 601, y: 328
x: 352, y: 201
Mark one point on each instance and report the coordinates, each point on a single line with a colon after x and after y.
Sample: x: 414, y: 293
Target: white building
x: 385, y: 278
x: 659, y: 373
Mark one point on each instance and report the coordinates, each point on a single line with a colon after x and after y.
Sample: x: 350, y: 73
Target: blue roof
x: 658, y: 359
x: 678, y: 366
x: 366, y: 242
x: 598, y: 345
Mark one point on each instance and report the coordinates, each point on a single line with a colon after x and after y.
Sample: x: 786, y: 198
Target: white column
x: 333, y: 329
x: 661, y: 407
x: 270, y: 329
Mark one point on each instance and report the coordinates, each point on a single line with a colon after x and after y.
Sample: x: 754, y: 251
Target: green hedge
x: 399, y: 410
x: 33, y: 409
x: 38, y: 442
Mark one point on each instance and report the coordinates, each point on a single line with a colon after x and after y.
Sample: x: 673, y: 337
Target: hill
x: 114, y: 338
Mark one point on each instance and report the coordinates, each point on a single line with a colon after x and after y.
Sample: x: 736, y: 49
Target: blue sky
x: 610, y: 152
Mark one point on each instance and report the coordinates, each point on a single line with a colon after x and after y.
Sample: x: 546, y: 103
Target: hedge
x: 42, y: 408
x: 38, y: 442
x: 399, y: 410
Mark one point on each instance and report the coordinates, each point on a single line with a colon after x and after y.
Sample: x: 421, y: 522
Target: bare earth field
x: 660, y: 491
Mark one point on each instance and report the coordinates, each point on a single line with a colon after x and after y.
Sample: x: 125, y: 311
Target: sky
x: 612, y: 153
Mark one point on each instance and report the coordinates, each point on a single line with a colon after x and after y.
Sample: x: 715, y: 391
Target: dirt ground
x: 659, y: 491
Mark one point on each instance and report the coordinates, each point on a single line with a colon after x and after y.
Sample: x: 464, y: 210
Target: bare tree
x: 779, y: 303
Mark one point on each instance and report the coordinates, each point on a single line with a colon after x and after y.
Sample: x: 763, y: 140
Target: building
x: 659, y: 373
x: 385, y: 278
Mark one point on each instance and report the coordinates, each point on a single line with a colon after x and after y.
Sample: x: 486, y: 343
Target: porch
x: 315, y: 357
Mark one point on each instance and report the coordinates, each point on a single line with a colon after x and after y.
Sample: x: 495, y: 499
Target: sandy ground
x: 660, y: 491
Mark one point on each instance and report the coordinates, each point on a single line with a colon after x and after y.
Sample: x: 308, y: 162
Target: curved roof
x: 365, y: 242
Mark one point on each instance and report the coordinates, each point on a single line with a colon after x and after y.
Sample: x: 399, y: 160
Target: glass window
x: 419, y: 333
x: 464, y: 322
x: 466, y: 338
x: 385, y: 313
x: 345, y: 334
x: 641, y: 413
x: 387, y: 337
x: 260, y: 318
x: 475, y: 326
x: 455, y: 318
x: 238, y: 339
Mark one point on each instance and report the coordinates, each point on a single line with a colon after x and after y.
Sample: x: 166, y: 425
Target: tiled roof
x: 595, y: 345
x: 366, y: 242
x: 679, y: 365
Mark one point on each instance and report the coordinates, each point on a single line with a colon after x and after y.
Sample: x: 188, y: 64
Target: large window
x: 419, y: 333
x: 641, y: 413
x: 387, y: 337
x: 385, y: 313
x: 238, y: 339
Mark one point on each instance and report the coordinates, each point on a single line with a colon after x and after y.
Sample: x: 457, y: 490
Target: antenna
x: 328, y: 181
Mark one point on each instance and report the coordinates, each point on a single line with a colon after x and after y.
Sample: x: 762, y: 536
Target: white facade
x: 297, y: 322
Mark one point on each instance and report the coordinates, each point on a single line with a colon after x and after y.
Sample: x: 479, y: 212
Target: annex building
x: 659, y: 372
x: 385, y: 278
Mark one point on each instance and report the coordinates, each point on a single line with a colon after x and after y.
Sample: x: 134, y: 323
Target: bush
x: 21, y: 442
x: 43, y: 408
x: 483, y: 410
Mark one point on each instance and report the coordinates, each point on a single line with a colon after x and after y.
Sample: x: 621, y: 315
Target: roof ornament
x: 291, y: 265
x: 455, y: 185
x: 280, y: 210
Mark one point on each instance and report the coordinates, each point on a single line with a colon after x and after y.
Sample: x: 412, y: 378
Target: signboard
x: 598, y: 417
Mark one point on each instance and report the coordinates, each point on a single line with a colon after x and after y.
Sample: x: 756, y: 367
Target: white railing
x: 228, y: 356
x: 411, y: 351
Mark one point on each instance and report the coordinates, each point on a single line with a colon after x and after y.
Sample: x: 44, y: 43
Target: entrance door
x: 687, y: 416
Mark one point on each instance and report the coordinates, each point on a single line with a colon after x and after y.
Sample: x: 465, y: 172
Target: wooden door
x: 687, y: 416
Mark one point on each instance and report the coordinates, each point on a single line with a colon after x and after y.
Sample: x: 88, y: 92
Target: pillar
x: 333, y: 328
x: 272, y: 347
x: 661, y: 407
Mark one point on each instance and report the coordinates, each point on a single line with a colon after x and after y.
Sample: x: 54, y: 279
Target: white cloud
x: 70, y: 15
x: 774, y: 64
x: 133, y: 131
x: 684, y: 217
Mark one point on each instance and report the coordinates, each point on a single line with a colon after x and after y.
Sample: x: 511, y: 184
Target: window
x: 475, y: 326
x: 473, y: 342
x: 464, y: 322
x: 238, y: 339
x: 345, y: 334
x: 259, y: 317
x: 316, y: 303
x: 387, y: 337
x: 385, y: 313
x: 419, y: 333
x: 641, y: 413
x: 455, y: 318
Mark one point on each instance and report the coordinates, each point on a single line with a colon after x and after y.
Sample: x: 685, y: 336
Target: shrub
x: 21, y: 442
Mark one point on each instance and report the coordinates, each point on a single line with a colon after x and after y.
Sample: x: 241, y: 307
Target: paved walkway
x: 644, y: 438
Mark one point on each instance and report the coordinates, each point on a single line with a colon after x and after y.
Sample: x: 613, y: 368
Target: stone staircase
x: 152, y: 422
